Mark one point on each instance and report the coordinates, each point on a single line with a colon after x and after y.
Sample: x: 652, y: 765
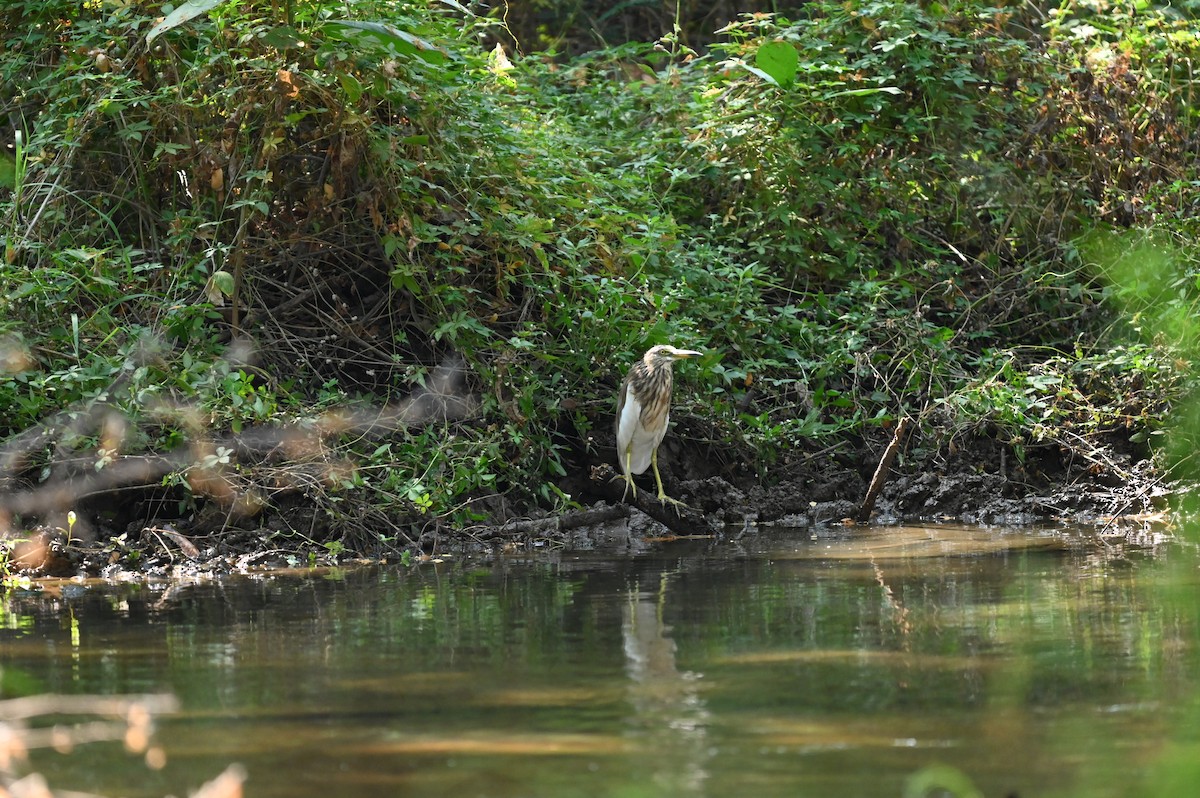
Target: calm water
x: 777, y: 665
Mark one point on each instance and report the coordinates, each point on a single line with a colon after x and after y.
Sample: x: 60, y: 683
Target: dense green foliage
x: 242, y: 217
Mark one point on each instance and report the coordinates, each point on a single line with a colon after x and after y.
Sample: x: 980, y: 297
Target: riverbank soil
x: 977, y: 482
x: 365, y: 284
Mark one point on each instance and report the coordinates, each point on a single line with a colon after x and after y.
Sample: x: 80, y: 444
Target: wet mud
x: 982, y: 484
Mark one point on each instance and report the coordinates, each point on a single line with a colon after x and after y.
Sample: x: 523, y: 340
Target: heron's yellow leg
x: 628, y: 477
x: 662, y: 494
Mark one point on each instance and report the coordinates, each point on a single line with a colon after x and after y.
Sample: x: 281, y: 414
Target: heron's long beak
x: 682, y: 353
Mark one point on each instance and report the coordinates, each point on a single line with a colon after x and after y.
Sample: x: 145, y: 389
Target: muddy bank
x: 979, y: 484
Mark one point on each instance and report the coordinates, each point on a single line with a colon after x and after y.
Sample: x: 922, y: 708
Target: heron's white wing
x: 632, y: 436
x: 627, y: 424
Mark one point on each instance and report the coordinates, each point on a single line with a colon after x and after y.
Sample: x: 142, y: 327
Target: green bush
x: 260, y: 218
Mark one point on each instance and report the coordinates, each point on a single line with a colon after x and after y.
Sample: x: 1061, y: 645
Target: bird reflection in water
x: 667, y: 708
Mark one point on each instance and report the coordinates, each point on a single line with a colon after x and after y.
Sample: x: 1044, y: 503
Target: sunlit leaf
x: 756, y: 71
x: 457, y: 6
x: 865, y: 92
x: 184, y: 12
x: 400, y: 41
x: 219, y: 286
x: 779, y: 60
x: 498, y: 59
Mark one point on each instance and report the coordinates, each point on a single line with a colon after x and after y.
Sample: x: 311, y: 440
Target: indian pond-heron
x: 643, y: 410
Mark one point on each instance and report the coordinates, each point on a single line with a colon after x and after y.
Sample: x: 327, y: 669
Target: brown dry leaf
x: 14, y: 355
x: 156, y: 758
x: 227, y: 785
x: 12, y: 747
x: 60, y: 740
x: 137, y: 739
x: 30, y: 554
x: 206, y: 482
x: 285, y: 85
x: 186, y: 546
x: 32, y: 786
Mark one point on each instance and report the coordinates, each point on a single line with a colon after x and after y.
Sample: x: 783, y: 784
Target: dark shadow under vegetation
x: 286, y: 285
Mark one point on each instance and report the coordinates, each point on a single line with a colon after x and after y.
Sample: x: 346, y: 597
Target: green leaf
x: 219, y: 286
x: 400, y: 41
x: 756, y: 71
x: 189, y: 10
x: 779, y: 60
x: 457, y: 6
x: 864, y: 92
x: 224, y: 281
x: 283, y: 37
x: 8, y: 171
x: 940, y: 779
x: 352, y: 87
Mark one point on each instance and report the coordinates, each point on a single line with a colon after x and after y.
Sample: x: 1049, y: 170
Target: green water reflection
x: 774, y: 665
